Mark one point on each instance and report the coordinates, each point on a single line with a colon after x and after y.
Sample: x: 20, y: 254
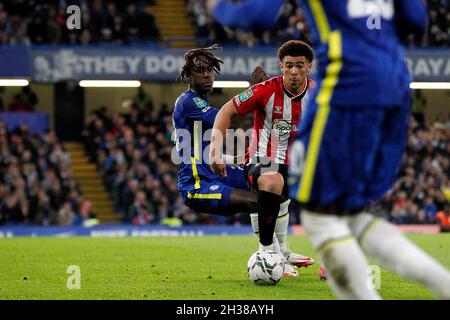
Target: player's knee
x: 273, y: 183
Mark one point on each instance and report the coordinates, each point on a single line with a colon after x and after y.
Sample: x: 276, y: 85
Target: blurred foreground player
x: 201, y: 189
x: 351, y: 141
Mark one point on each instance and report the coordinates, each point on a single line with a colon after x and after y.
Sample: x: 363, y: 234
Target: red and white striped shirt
x: 277, y: 114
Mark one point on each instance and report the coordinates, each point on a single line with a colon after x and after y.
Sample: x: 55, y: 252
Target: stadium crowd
x: 37, y: 185
x: 102, y: 22
x: 131, y: 22
x: 133, y: 154
x: 291, y: 25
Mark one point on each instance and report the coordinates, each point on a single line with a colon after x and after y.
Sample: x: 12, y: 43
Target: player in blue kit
x: 202, y: 190
x: 351, y: 141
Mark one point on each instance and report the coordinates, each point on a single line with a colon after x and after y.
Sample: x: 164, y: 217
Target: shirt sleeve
x: 250, y: 100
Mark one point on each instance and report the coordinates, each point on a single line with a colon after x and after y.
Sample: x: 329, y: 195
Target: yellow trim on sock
x: 286, y: 215
x: 333, y: 243
x: 370, y: 225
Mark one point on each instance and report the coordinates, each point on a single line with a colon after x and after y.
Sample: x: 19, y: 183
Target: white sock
x: 255, y: 226
x: 392, y: 250
x: 276, y: 246
x: 347, y: 267
x: 282, y: 225
x: 270, y: 247
x: 254, y: 222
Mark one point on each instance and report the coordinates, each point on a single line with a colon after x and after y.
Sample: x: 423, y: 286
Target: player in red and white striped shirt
x: 277, y: 113
x: 277, y: 104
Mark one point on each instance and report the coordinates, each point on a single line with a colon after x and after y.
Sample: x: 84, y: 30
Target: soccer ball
x: 265, y: 267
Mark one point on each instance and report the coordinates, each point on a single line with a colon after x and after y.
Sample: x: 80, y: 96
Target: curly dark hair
x: 194, y: 58
x: 296, y: 48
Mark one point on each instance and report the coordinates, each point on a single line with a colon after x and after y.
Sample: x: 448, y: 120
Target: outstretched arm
x: 221, y: 124
x: 247, y: 15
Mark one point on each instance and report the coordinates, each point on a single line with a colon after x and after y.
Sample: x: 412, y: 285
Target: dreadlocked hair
x: 194, y: 58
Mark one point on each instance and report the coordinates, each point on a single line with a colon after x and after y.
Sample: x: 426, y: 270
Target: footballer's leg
x: 242, y: 201
x: 347, y: 267
x: 218, y: 198
x: 267, y: 204
x: 290, y: 270
x: 270, y: 186
x: 282, y: 221
x: 382, y: 241
x: 281, y: 232
x: 245, y: 201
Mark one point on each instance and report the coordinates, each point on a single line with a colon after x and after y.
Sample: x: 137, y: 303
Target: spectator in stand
x: 19, y: 104
x: 142, y: 212
x: 85, y: 216
x: 419, y: 105
x: 443, y: 219
x: 430, y: 209
x: 66, y: 215
x: 142, y: 100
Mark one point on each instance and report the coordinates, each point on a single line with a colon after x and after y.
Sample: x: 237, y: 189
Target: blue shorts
x: 346, y: 157
x: 213, y: 195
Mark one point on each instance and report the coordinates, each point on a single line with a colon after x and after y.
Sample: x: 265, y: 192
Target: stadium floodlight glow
x: 429, y: 85
x: 14, y: 82
x: 110, y: 83
x: 231, y: 84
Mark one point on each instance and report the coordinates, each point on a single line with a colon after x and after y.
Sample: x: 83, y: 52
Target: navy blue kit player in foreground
x: 351, y: 141
x: 201, y: 189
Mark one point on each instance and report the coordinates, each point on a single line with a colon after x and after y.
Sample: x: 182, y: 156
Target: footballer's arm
x: 221, y: 124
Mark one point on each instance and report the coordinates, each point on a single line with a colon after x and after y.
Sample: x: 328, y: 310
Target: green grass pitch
x: 195, y: 268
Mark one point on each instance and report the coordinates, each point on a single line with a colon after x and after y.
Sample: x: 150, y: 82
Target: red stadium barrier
x: 419, y: 228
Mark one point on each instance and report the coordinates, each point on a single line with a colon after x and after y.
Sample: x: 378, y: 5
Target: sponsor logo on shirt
x: 214, y: 187
x: 283, y: 127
